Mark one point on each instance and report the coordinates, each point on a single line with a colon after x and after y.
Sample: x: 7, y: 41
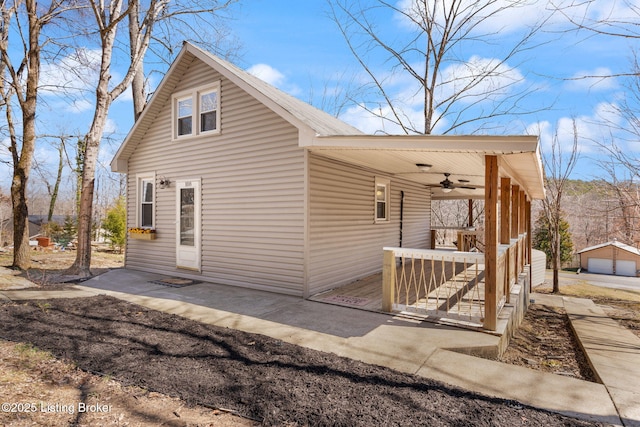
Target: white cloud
x: 590, y: 130
x: 592, y: 80
x: 79, y: 106
x: 480, y: 79
x: 76, y: 73
x: 268, y: 74
x: 274, y: 77
x: 501, y: 16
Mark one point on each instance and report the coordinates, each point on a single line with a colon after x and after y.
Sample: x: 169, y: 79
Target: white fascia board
x: 446, y: 143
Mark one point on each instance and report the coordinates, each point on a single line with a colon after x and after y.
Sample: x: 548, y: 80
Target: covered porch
x: 469, y: 286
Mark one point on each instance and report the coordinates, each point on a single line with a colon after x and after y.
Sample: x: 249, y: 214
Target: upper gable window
x: 185, y: 116
x: 208, y: 111
x: 196, y: 111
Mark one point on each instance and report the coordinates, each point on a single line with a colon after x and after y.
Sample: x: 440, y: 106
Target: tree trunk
x: 138, y: 91
x: 557, y: 255
x: 21, y: 250
x: 82, y: 264
x: 56, y: 186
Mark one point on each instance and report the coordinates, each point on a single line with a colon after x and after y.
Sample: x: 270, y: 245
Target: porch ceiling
x: 461, y: 156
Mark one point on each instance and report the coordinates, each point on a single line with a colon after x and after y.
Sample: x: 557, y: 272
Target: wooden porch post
x: 527, y: 222
x: 491, y: 243
x: 523, y: 209
x: 515, y: 211
x: 505, y: 210
x: 388, y: 280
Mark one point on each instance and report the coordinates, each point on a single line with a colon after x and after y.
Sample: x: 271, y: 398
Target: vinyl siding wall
x: 344, y: 242
x: 252, y: 180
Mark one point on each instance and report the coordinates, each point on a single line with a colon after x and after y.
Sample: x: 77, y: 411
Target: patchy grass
x: 584, y: 289
x: 622, y: 305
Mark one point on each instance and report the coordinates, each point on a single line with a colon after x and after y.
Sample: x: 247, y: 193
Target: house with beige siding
x: 232, y: 181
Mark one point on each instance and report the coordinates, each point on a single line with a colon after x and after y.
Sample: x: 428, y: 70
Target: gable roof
x: 615, y: 243
x: 300, y: 114
x: 397, y: 155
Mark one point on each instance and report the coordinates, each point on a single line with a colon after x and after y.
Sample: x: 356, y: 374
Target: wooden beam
x: 528, y: 258
x: 523, y: 199
x: 515, y: 211
x: 388, y: 281
x: 505, y: 210
x: 491, y: 243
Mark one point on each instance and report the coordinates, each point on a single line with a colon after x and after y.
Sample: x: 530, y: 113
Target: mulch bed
x: 545, y: 341
x: 257, y: 376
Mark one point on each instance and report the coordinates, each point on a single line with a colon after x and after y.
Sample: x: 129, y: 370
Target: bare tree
x: 194, y: 20
x: 623, y: 202
x: 453, y: 91
x: 108, y: 18
x: 27, y: 19
x: 604, y: 19
x: 558, y: 167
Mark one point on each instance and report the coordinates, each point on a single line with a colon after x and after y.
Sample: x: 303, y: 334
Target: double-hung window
x: 208, y: 111
x: 145, y: 217
x: 382, y: 200
x: 185, y: 115
x: 196, y: 111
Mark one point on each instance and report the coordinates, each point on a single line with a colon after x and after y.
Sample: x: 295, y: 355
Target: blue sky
x: 297, y: 47
x: 300, y: 51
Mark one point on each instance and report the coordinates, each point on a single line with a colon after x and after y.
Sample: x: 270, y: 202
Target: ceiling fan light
x: 447, y: 190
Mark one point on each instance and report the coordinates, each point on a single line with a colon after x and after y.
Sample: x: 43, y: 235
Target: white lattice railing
x: 448, y: 284
x: 444, y: 284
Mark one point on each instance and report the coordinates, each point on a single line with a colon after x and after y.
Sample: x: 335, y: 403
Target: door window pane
x: 187, y: 219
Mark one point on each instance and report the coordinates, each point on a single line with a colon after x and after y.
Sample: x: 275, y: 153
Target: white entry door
x: 188, y: 229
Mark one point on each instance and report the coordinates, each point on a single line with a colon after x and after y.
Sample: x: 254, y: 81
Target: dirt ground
x: 545, y: 342
x: 259, y: 377
x: 47, y: 266
x: 53, y: 392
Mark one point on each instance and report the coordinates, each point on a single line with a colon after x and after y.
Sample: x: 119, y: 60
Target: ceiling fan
x: 447, y: 185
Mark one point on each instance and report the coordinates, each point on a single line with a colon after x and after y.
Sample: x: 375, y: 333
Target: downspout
x: 401, y: 214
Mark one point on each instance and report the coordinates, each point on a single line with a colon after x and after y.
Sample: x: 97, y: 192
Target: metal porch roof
x: 461, y: 156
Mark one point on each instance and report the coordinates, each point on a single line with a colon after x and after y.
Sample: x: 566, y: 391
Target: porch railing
x: 446, y: 284
x: 436, y: 283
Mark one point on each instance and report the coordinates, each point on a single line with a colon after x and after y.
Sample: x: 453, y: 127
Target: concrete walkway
x: 420, y: 348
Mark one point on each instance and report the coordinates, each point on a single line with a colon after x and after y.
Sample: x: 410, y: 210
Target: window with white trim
x: 185, y: 116
x: 382, y: 200
x: 196, y: 111
x: 145, y: 217
x: 209, y: 111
